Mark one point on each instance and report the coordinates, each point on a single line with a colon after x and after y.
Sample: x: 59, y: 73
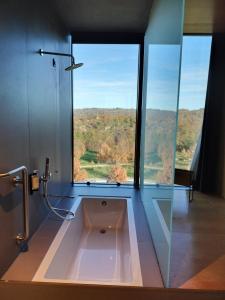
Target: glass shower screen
x: 162, y: 47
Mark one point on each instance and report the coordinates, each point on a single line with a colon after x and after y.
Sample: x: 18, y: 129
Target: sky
x: 108, y: 78
x: 194, y: 71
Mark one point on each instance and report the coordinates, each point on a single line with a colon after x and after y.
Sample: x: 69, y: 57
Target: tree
x: 104, y: 154
x: 166, y: 155
x: 79, y: 149
x: 78, y: 173
x: 117, y: 174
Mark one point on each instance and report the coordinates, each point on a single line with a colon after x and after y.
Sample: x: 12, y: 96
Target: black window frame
x: 117, y: 38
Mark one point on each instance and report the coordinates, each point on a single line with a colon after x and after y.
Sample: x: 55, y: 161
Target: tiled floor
x: 27, y: 263
x: 198, y: 251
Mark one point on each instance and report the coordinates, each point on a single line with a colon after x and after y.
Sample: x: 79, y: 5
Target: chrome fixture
x: 22, y: 238
x: 71, y: 67
x: 45, y: 178
x: 57, y: 211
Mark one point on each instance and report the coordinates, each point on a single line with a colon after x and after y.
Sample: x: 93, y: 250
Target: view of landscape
x: 105, y: 114
x: 104, y: 142
x: 188, y: 131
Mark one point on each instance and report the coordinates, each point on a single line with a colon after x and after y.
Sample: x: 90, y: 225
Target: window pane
x: 161, y: 112
x: 105, y: 96
x: 162, y: 45
x: 193, y: 86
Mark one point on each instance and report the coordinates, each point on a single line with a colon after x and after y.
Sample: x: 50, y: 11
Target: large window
x: 193, y: 86
x: 104, y: 115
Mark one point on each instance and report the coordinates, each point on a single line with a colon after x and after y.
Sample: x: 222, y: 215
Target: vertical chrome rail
x: 21, y: 237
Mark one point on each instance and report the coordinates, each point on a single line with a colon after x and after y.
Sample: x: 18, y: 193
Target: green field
x: 100, y: 171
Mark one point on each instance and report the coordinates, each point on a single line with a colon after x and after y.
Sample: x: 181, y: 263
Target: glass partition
x: 163, y: 40
x: 196, y: 52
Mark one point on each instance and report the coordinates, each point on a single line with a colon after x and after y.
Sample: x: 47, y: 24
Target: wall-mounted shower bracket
x: 17, y: 180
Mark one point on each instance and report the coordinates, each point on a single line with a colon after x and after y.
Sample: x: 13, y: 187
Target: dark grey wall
x: 212, y: 158
x: 35, y: 110
x: 223, y: 153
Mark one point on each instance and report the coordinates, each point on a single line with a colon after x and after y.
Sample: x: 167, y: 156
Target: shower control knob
x: 35, y: 181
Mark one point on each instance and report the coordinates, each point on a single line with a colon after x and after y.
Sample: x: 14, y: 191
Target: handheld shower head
x: 47, y: 172
x: 45, y: 178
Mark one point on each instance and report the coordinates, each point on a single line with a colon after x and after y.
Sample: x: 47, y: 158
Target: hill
x: 105, y: 139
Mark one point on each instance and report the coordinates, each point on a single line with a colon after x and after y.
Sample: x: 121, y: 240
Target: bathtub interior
x: 94, y: 247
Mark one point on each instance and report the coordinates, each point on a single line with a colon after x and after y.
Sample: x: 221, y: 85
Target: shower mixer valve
x: 34, y: 181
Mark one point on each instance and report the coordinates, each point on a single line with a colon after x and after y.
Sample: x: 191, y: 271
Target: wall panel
x: 31, y: 110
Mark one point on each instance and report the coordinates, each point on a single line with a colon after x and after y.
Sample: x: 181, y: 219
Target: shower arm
x: 42, y: 52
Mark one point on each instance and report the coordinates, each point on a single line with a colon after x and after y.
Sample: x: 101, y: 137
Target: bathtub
x: 99, y: 246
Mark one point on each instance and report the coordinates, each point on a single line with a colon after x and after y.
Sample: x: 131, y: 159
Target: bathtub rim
x: 39, y: 275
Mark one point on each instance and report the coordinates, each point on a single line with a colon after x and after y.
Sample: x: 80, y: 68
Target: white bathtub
x: 99, y: 246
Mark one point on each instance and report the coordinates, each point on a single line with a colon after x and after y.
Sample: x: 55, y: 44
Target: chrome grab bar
x: 24, y: 181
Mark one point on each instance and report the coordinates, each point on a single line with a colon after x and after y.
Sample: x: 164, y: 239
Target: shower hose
x: 69, y: 215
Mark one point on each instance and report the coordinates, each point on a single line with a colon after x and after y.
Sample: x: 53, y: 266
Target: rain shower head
x: 74, y: 66
x: 71, y: 67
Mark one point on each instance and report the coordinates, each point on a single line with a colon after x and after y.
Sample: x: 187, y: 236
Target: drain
x: 102, y: 231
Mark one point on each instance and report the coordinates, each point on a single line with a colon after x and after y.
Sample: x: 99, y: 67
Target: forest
x: 104, y: 143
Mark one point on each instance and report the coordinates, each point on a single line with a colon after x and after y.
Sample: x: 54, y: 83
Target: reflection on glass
x: 105, y: 96
x: 193, y: 86
x: 161, y: 113
x: 164, y: 206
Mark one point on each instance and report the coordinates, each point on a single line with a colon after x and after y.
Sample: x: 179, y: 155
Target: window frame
x: 120, y: 39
